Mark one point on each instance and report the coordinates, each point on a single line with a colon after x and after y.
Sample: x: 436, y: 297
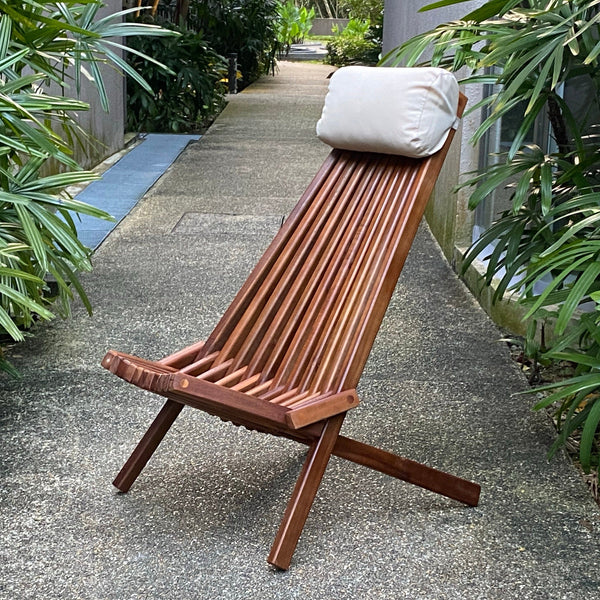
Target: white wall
x: 403, y: 21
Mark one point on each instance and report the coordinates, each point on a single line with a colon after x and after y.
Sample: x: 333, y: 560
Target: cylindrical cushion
x: 402, y: 111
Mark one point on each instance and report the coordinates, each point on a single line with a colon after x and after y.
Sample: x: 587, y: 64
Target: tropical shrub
x: 293, y: 23
x: 352, y: 45
x: 354, y: 29
x: 352, y: 51
x: 182, y: 99
x: 39, y: 43
x: 549, y: 241
x: 341, y: 9
x: 371, y: 10
x: 247, y: 28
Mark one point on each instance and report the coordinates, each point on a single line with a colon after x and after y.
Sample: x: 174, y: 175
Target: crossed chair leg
x: 328, y: 443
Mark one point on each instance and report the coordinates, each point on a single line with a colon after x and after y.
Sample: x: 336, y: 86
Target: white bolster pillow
x: 405, y: 111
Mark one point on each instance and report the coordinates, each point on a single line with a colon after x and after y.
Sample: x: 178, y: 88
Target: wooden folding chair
x: 287, y: 355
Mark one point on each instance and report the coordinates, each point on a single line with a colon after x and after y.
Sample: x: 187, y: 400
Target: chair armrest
x: 321, y: 408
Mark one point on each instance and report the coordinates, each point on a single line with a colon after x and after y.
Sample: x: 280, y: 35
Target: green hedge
x: 343, y: 51
x: 185, y: 98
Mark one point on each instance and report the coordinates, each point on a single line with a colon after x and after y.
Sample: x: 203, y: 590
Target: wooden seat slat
x: 246, y: 384
x: 292, y: 398
x: 183, y: 357
x: 302, y: 399
x: 199, y: 365
x: 277, y: 395
x: 259, y: 389
x: 215, y: 373
x: 232, y: 378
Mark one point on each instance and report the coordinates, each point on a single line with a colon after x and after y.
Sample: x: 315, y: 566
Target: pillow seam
x: 423, y: 104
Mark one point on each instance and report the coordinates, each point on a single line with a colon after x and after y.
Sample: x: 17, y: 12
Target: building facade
x: 452, y: 223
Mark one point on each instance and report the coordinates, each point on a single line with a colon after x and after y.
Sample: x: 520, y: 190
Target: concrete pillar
x: 448, y: 216
x: 403, y: 21
x: 109, y: 128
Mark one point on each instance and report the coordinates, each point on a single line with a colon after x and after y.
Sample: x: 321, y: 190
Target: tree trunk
x: 559, y: 127
x: 181, y: 12
x: 328, y: 9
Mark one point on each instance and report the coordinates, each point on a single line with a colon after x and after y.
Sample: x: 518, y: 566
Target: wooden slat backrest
x: 306, y: 318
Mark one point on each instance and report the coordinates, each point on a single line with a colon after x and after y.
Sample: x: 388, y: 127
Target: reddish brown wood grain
x: 304, y: 494
x: 307, y: 411
x: 287, y: 355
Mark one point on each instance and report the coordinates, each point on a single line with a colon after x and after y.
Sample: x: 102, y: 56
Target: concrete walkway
x: 308, y: 51
x: 439, y: 388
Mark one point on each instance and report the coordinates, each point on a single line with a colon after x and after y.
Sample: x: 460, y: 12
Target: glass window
x: 581, y: 97
x: 496, y: 141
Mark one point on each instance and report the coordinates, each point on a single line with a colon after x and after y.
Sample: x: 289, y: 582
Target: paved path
x: 439, y: 388
x: 308, y: 51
